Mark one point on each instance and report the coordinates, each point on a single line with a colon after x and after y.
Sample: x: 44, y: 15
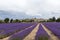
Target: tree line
x: 53, y: 19
x: 7, y: 20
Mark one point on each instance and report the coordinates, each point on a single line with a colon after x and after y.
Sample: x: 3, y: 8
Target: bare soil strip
x: 15, y: 33
x: 5, y: 38
x: 52, y: 36
x: 32, y: 35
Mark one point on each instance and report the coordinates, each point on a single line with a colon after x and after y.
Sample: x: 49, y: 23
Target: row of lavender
x: 22, y: 34
x: 54, y: 27
x: 41, y: 34
x: 11, y: 28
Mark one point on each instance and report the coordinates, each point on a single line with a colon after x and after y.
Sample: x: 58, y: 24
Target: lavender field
x: 20, y: 31
x: 29, y: 19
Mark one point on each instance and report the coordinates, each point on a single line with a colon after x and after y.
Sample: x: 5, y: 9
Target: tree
x: 49, y: 20
x: 16, y: 21
x: 23, y: 20
x: 11, y: 20
x: 6, y: 20
x: 1, y: 21
x: 53, y: 19
x: 31, y: 20
x: 58, y: 20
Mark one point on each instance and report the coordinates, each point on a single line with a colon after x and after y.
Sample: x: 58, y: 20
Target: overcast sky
x: 30, y: 8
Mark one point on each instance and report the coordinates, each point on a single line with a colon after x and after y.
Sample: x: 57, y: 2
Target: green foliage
x: 50, y: 20
x: 1, y: 21
x: 17, y: 38
x: 16, y: 21
x: 11, y: 20
x: 58, y: 20
x: 31, y: 20
x: 6, y: 20
x: 42, y: 38
x: 27, y: 20
x: 53, y: 19
x: 2, y: 36
x: 23, y: 20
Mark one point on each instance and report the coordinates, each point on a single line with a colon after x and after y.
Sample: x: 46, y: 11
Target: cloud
x: 33, y: 8
x: 14, y: 15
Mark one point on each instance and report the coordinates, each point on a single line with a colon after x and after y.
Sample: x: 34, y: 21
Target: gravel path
x: 32, y: 35
x: 52, y: 36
